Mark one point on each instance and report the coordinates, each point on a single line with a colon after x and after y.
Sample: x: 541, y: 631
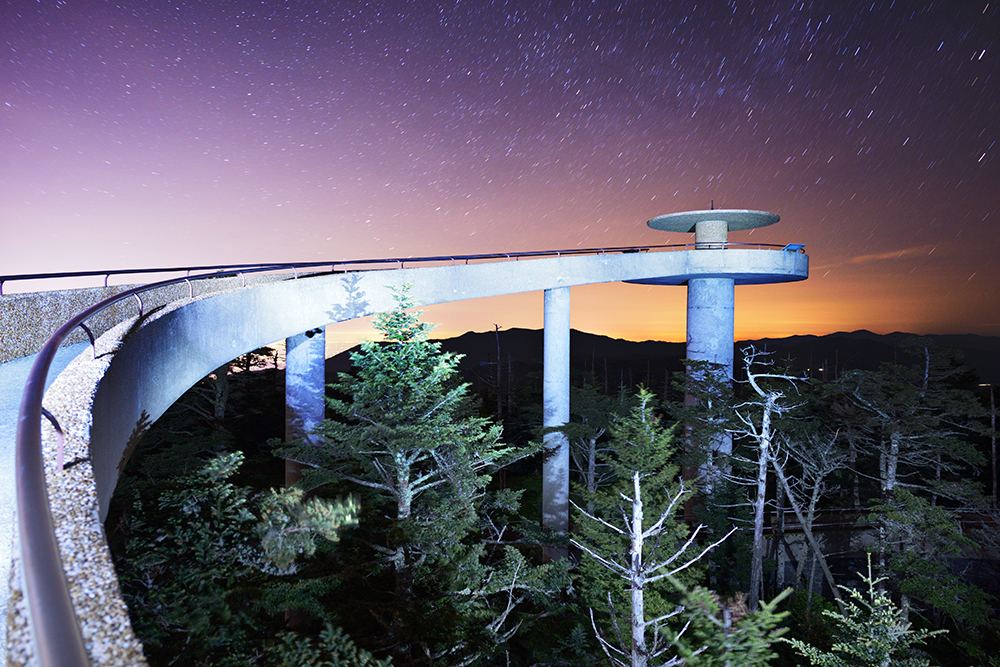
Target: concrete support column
x: 305, y: 388
x: 555, y: 392
x: 710, y: 330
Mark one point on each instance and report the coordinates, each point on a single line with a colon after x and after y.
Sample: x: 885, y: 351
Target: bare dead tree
x: 646, y: 646
x: 818, y: 458
x: 755, y: 422
x: 807, y: 531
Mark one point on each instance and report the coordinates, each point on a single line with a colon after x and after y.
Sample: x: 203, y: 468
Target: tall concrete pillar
x: 305, y: 388
x: 555, y: 397
x: 710, y: 334
x: 711, y: 300
x: 711, y: 303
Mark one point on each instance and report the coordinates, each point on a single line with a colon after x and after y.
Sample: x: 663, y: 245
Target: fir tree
x: 913, y: 422
x: 199, y: 551
x: 331, y: 649
x: 725, y: 633
x: 637, y: 547
x: 404, y: 433
x: 872, y: 633
x: 592, y: 414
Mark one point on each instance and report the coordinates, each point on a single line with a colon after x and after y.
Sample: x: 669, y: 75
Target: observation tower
x: 715, y: 268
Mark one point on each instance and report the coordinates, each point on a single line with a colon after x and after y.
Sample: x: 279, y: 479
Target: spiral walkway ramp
x: 64, y: 605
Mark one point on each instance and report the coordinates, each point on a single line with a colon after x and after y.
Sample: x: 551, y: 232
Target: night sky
x: 168, y: 134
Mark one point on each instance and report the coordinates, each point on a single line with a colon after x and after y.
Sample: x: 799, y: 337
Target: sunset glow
x: 156, y: 134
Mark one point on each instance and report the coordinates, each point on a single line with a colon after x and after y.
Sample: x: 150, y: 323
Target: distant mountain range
x: 614, y: 361
x: 866, y: 350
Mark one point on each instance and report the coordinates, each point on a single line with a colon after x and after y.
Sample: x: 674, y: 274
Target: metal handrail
x: 56, y: 632
x: 227, y: 269
x: 54, y: 626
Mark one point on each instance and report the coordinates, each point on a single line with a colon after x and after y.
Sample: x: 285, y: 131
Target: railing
x: 53, y: 623
x: 400, y: 262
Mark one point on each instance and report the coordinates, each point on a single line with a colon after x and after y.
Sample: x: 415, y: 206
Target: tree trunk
x: 763, y: 461
x: 807, y: 529
x: 637, y: 580
x: 591, y: 473
x: 220, y: 392
x: 400, y: 555
x: 856, y: 479
x: 810, y: 519
x: 404, y: 505
x: 993, y: 445
x: 892, y: 461
x: 778, y: 540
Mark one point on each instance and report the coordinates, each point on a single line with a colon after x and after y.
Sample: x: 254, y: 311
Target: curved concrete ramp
x: 171, y: 351
x: 143, y: 366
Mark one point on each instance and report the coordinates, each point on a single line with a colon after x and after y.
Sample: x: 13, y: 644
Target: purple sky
x: 168, y: 134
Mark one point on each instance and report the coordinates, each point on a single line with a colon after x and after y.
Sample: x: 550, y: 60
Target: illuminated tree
x: 635, y: 538
x: 404, y: 433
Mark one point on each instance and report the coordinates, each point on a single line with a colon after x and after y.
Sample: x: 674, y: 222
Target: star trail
x: 179, y: 133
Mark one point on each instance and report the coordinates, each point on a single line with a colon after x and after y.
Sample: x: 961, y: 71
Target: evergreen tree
x: 725, y: 633
x: 920, y: 539
x: 872, y: 633
x: 707, y: 417
x: 404, y: 433
x: 331, y: 649
x: 637, y: 548
x: 917, y: 419
x: 194, y: 561
x: 592, y: 414
x: 914, y: 421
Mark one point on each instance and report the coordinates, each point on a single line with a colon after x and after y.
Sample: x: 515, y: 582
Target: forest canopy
x: 856, y: 510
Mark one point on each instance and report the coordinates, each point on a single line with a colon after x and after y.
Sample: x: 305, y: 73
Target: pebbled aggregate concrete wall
x: 27, y: 320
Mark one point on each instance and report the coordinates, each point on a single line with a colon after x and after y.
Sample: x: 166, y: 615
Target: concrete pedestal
x: 710, y: 329
x: 555, y: 390
x: 710, y: 334
x: 305, y: 387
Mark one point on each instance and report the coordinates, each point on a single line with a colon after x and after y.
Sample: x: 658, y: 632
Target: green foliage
x: 405, y: 436
x: 639, y: 443
x: 909, y: 426
x: 568, y: 645
x: 332, y: 648
x: 288, y: 524
x: 493, y: 598
x: 592, y: 415
x: 921, y: 538
x: 722, y: 633
x: 405, y: 431
x: 194, y: 561
x: 917, y: 420
x: 424, y: 534
x: 808, y: 620
x: 187, y: 564
x: 873, y: 633
x: 726, y: 567
x: 706, y: 413
x: 641, y: 558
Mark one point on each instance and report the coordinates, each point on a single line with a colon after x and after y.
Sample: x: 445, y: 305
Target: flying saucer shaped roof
x: 735, y: 219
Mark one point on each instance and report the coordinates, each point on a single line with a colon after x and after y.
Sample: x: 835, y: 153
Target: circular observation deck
x: 712, y: 257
